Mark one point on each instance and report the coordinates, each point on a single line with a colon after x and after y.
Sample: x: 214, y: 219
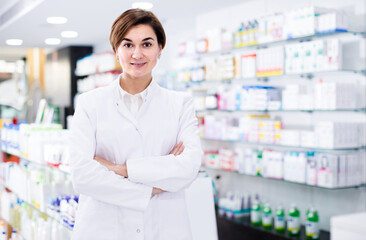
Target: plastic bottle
x: 255, y: 31
x: 17, y: 215
x: 293, y: 222
x: 3, y: 236
x: 279, y: 220
x: 312, y: 224
x: 267, y: 216
x: 259, y: 163
x: 14, y: 235
x: 12, y: 215
x: 2, y: 226
x: 238, y: 35
x: 256, y: 213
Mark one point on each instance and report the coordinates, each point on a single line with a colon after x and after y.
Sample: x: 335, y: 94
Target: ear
x: 160, y: 49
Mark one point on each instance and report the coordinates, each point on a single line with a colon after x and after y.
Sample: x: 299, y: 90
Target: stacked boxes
x: 332, y: 95
x: 334, y: 135
x: 304, y: 21
x: 324, y: 169
x: 313, y: 56
x: 270, y: 61
x: 295, y: 167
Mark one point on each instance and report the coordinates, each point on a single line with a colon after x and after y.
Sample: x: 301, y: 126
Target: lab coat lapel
x: 151, y: 92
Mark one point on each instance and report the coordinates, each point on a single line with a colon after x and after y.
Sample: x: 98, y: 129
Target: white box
x: 350, y: 226
x: 295, y: 167
x: 307, y: 139
x: 272, y: 164
x: 312, y: 170
x: 290, y: 137
x: 328, y: 170
x: 250, y: 159
x: 354, y: 54
x: 352, y: 169
x: 342, y: 170
x: 301, y: 163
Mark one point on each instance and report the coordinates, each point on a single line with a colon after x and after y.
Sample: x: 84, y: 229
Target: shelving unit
x: 309, y: 76
x: 37, y: 163
x: 13, y: 228
x: 281, y: 42
x: 42, y: 213
x: 282, y: 180
x: 284, y: 146
x: 218, y: 87
x: 284, y: 110
x: 45, y: 215
x: 94, y: 70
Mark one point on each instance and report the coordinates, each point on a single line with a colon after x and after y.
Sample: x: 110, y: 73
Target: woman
x: 134, y: 146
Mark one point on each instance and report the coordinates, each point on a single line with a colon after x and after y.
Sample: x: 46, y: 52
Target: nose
x: 137, y: 54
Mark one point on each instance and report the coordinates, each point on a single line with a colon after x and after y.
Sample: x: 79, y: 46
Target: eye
x: 127, y: 45
x: 147, y: 44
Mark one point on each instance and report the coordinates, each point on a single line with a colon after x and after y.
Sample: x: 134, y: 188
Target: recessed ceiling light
x: 14, y: 42
x: 142, y: 5
x: 69, y: 34
x: 52, y: 41
x: 56, y: 20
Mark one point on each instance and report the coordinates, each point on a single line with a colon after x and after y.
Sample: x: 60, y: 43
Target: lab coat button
x: 138, y: 230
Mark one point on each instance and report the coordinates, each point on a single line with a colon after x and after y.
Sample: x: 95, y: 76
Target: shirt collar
x: 150, y: 90
x: 142, y: 94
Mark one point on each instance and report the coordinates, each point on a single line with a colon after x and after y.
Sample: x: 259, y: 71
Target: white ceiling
x: 92, y: 19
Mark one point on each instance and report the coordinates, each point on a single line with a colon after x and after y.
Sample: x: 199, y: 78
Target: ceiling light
x: 69, y: 34
x: 14, y: 42
x: 52, y: 41
x: 56, y: 20
x: 142, y: 5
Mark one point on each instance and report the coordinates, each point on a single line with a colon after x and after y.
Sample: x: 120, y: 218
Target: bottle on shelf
x: 12, y: 214
x: 15, y: 235
x: 3, y: 236
x: 256, y: 213
x: 267, y: 216
x: 279, y: 221
x: 312, y: 224
x: 293, y: 221
x: 2, y: 226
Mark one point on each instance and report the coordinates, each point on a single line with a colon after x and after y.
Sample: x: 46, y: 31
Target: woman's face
x: 139, y: 51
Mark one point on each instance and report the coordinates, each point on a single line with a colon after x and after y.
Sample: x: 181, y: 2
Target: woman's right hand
x: 177, y: 149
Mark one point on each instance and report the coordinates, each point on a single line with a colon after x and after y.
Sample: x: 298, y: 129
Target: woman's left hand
x: 119, y: 169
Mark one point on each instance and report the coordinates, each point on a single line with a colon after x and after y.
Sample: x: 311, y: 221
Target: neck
x: 134, y: 85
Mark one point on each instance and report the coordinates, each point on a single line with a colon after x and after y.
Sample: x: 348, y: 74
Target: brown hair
x: 131, y: 18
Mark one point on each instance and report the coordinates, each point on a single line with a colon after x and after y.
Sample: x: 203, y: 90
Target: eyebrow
x: 145, y: 39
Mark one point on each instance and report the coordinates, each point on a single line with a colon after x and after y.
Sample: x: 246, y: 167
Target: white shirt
x: 133, y: 102
x: 117, y: 208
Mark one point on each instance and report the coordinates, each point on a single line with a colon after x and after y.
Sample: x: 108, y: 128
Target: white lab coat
x: 115, y: 208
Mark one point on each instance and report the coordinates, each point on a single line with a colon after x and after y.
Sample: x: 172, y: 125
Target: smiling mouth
x: 138, y: 64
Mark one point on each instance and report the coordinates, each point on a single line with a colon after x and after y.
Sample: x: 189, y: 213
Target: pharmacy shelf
x: 281, y: 180
x: 309, y: 75
x: 114, y: 71
x: 283, y: 110
x: 45, y: 215
x: 65, y: 171
x: 235, y: 229
x: 283, y: 146
x: 13, y: 228
x: 279, y: 42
